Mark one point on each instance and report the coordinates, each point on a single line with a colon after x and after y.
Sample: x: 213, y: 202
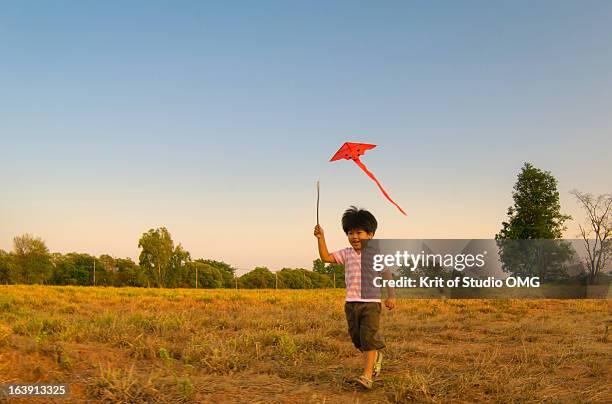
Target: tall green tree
x: 177, y: 275
x: 157, y: 252
x: 32, y: 260
x: 536, y: 213
x: 529, y: 242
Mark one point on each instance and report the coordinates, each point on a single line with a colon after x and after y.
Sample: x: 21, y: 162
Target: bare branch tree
x: 597, y: 231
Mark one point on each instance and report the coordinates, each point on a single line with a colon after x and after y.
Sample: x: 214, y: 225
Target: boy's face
x: 356, y: 235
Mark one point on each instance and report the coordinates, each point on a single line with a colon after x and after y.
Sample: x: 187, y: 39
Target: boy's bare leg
x: 368, y: 366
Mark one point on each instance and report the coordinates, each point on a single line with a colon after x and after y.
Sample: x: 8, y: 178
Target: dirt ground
x: 177, y: 345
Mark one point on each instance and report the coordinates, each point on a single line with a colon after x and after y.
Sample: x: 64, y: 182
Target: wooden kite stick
x: 317, y: 203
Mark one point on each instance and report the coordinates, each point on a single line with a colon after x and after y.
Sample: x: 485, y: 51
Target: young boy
x: 362, y: 315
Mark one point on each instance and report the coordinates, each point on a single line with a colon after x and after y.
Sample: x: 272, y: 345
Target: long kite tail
x: 364, y: 168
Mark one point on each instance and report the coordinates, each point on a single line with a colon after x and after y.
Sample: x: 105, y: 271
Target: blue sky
x: 215, y: 119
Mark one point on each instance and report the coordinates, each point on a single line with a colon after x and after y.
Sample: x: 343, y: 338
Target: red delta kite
x: 352, y: 151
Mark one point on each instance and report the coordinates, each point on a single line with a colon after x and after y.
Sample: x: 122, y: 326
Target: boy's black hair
x: 361, y: 219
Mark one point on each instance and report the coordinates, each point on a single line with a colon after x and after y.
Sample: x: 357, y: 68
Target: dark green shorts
x: 363, y: 323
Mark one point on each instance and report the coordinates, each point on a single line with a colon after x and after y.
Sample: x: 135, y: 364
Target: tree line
x: 161, y: 263
x: 535, y: 215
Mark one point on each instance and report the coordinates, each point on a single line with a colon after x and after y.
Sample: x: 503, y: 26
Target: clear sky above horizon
x: 215, y: 119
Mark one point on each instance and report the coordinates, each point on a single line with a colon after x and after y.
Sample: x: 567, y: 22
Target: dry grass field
x: 143, y: 345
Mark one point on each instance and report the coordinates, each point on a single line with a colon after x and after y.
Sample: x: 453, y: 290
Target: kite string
x: 364, y: 168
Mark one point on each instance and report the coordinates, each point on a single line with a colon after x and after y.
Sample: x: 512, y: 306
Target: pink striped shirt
x: 352, y: 274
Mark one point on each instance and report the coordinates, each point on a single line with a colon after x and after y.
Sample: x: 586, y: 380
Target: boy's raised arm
x: 323, y: 253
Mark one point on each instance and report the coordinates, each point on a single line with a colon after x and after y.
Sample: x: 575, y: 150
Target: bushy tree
x: 73, y: 269
x: 535, y: 216
x: 208, y: 276
x: 333, y: 271
x: 176, y: 274
x: 318, y: 281
x: 319, y: 266
x: 259, y: 278
x: 300, y: 278
x: 536, y: 213
x: 158, y: 255
x: 106, y: 270
x: 129, y: 274
x: 289, y: 278
x: 32, y: 260
x: 336, y: 271
x: 226, y: 270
